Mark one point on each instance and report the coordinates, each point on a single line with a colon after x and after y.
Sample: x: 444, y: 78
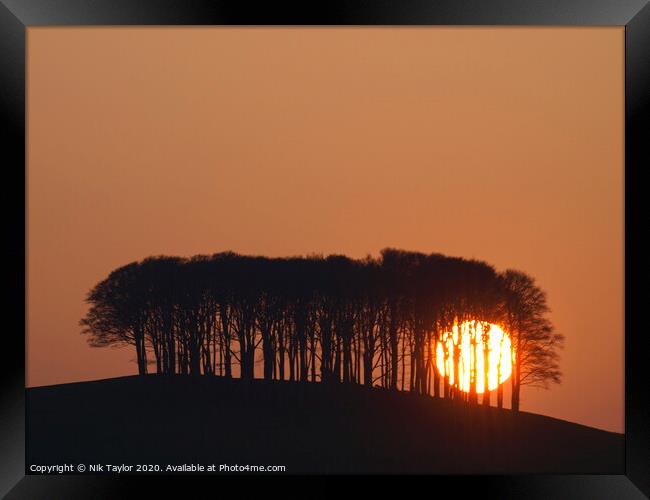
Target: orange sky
x: 502, y: 144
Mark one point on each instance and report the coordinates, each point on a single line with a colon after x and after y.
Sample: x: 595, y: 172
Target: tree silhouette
x: 383, y: 321
x: 535, y: 343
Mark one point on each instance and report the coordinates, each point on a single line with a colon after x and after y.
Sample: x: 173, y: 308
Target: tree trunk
x: 267, y: 353
x: 486, y: 370
x: 500, y: 396
x: 281, y: 351
x: 394, y: 358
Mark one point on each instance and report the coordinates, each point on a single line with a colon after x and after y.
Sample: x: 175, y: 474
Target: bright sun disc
x: 467, y: 344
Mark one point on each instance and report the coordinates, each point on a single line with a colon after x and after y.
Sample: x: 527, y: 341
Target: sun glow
x: 466, y: 345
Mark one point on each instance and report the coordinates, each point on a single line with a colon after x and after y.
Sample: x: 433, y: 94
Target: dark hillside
x: 309, y: 428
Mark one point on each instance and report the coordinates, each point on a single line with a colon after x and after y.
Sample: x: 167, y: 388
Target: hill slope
x: 309, y: 428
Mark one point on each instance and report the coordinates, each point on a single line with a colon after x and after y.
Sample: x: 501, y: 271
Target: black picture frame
x: 18, y: 15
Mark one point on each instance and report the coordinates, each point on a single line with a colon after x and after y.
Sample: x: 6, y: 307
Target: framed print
x: 354, y: 239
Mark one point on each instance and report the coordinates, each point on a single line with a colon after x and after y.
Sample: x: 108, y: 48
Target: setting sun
x: 470, y: 340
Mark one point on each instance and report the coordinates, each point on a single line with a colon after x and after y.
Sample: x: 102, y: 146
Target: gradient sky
x: 501, y: 144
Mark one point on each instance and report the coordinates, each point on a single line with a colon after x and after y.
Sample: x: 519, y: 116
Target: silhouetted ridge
x: 309, y: 428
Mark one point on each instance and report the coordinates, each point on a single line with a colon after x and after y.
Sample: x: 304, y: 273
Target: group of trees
x: 372, y: 321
